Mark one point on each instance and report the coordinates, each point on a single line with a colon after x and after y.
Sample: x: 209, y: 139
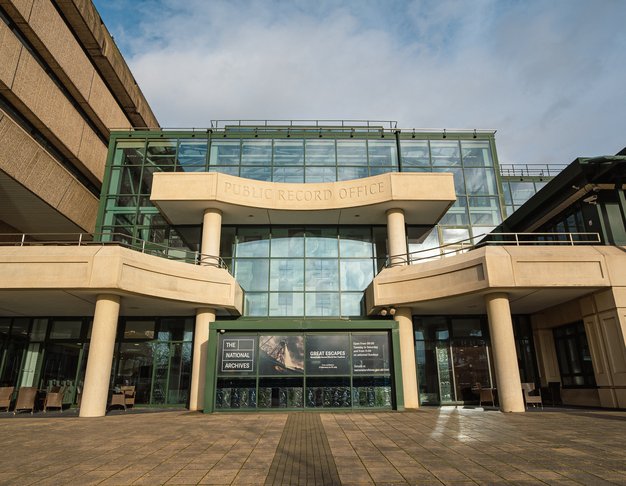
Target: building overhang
x: 182, y: 198
x: 535, y: 278
x: 66, y: 280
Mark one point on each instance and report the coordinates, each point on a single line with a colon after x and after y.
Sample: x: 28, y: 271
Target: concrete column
x: 396, y: 237
x: 96, y: 390
x: 204, y: 318
x: 504, y: 353
x: 211, y: 233
x: 407, y: 356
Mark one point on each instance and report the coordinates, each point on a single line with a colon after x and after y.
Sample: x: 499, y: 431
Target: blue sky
x: 550, y: 76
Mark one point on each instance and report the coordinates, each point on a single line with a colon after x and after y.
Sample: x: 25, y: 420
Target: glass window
x: 445, y: 153
x: 423, y: 242
x: 521, y: 192
x: 192, y: 153
x: 382, y: 152
x: 288, y: 174
x: 457, y: 214
x: 320, y: 304
x: 161, y: 152
x: 225, y: 152
x: 252, y: 274
x: 286, y: 304
x: 320, y: 152
x: 459, y: 180
x: 351, y: 152
x: 287, y: 275
x: 355, y: 242
x: 233, y: 170
x: 352, y: 304
x: 382, y: 170
x: 253, y: 242
x: 287, y: 242
x: 321, y: 274
x: 476, y: 153
x: 129, y: 152
x: 66, y: 329
x: 321, y: 242
x: 320, y: 174
x: 573, y: 355
x: 288, y: 152
x: 349, y: 173
x: 255, y: 304
x: 414, y: 153
x: 506, y: 188
x: 453, y: 235
x: 139, y: 329
x: 356, y: 274
x: 480, y: 181
x: 256, y: 173
x: 256, y: 152
x: 485, y: 211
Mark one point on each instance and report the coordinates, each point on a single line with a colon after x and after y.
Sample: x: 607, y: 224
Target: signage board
x: 370, y: 354
x: 237, y: 354
x: 328, y: 354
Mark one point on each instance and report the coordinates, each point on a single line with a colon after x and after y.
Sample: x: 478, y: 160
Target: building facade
x: 300, y: 265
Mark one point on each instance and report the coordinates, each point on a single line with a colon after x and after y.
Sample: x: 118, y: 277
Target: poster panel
x: 370, y: 354
x: 281, y: 355
x: 328, y: 354
x: 237, y: 354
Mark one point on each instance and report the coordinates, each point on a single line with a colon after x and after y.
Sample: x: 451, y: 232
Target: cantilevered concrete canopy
x: 66, y: 280
x: 534, y: 277
x: 183, y: 197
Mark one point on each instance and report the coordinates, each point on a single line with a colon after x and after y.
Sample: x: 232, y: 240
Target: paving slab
x: 427, y: 446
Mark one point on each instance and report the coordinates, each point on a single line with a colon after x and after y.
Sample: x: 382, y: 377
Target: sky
x: 548, y: 75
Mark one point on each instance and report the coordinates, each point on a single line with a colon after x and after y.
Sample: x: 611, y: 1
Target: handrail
x: 103, y: 239
x: 531, y: 170
x: 468, y: 244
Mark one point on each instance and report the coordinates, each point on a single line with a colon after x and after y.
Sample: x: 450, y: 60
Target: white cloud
x: 549, y: 76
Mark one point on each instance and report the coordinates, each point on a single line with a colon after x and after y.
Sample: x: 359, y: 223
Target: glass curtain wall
x: 517, y: 191
x: 313, y: 271
x: 454, y: 358
x: 297, y: 156
x: 154, y: 356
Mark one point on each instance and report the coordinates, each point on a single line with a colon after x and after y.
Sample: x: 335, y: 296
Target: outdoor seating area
x: 123, y: 396
x: 31, y: 399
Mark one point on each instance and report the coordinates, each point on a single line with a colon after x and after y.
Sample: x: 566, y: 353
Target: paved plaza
x: 428, y: 446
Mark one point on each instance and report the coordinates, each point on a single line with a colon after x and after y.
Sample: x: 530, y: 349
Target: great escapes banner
x: 318, y: 354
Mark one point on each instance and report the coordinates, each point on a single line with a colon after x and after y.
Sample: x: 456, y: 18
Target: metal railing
x: 305, y: 123
x: 106, y: 239
x: 531, y: 170
x: 514, y: 239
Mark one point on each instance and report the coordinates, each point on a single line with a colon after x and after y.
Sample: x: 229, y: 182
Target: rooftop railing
x: 531, y: 170
x: 107, y: 239
x: 305, y: 123
x: 499, y: 239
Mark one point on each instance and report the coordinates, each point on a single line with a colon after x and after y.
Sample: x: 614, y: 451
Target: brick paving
x: 428, y: 446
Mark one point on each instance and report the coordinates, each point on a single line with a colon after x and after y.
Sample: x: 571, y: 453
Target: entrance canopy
x: 183, y: 197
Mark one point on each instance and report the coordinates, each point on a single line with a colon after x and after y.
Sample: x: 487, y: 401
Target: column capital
x: 213, y: 211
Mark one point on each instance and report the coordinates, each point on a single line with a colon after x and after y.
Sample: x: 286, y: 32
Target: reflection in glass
x: 252, y: 274
x: 321, y: 242
x: 485, y: 211
x: 355, y: 242
x: 480, y: 181
x: 225, y: 152
x: 352, y: 304
x: 288, y: 152
x: 356, y: 274
x: 255, y: 304
x: 349, y: 173
x: 328, y: 392
x: 382, y: 153
x: 286, y: 304
x: 320, y: 152
x: 288, y: 174
x: 322, y: 304
x: 235, y: 393
x: 253, y: 242
x: 445, y: 153
x: 415, y: 153
x: 287, y: 242
x: 476, y: 153
x: 281, y: 393
x: 351, y: 152
x: 256, y: 173
x: 287, y: 275
x: 321, y: 274
x: 459, y: 181
x: 320, y: 174
x: 256, y: 152
x: 372, y: 392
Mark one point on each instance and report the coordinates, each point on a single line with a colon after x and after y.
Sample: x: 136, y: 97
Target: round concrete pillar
x: 211, y: 232
x: 407, y: 356
x: 96, y: 389
x: 504, y: 353
x: 204, y: 318
x: 396, y: 237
